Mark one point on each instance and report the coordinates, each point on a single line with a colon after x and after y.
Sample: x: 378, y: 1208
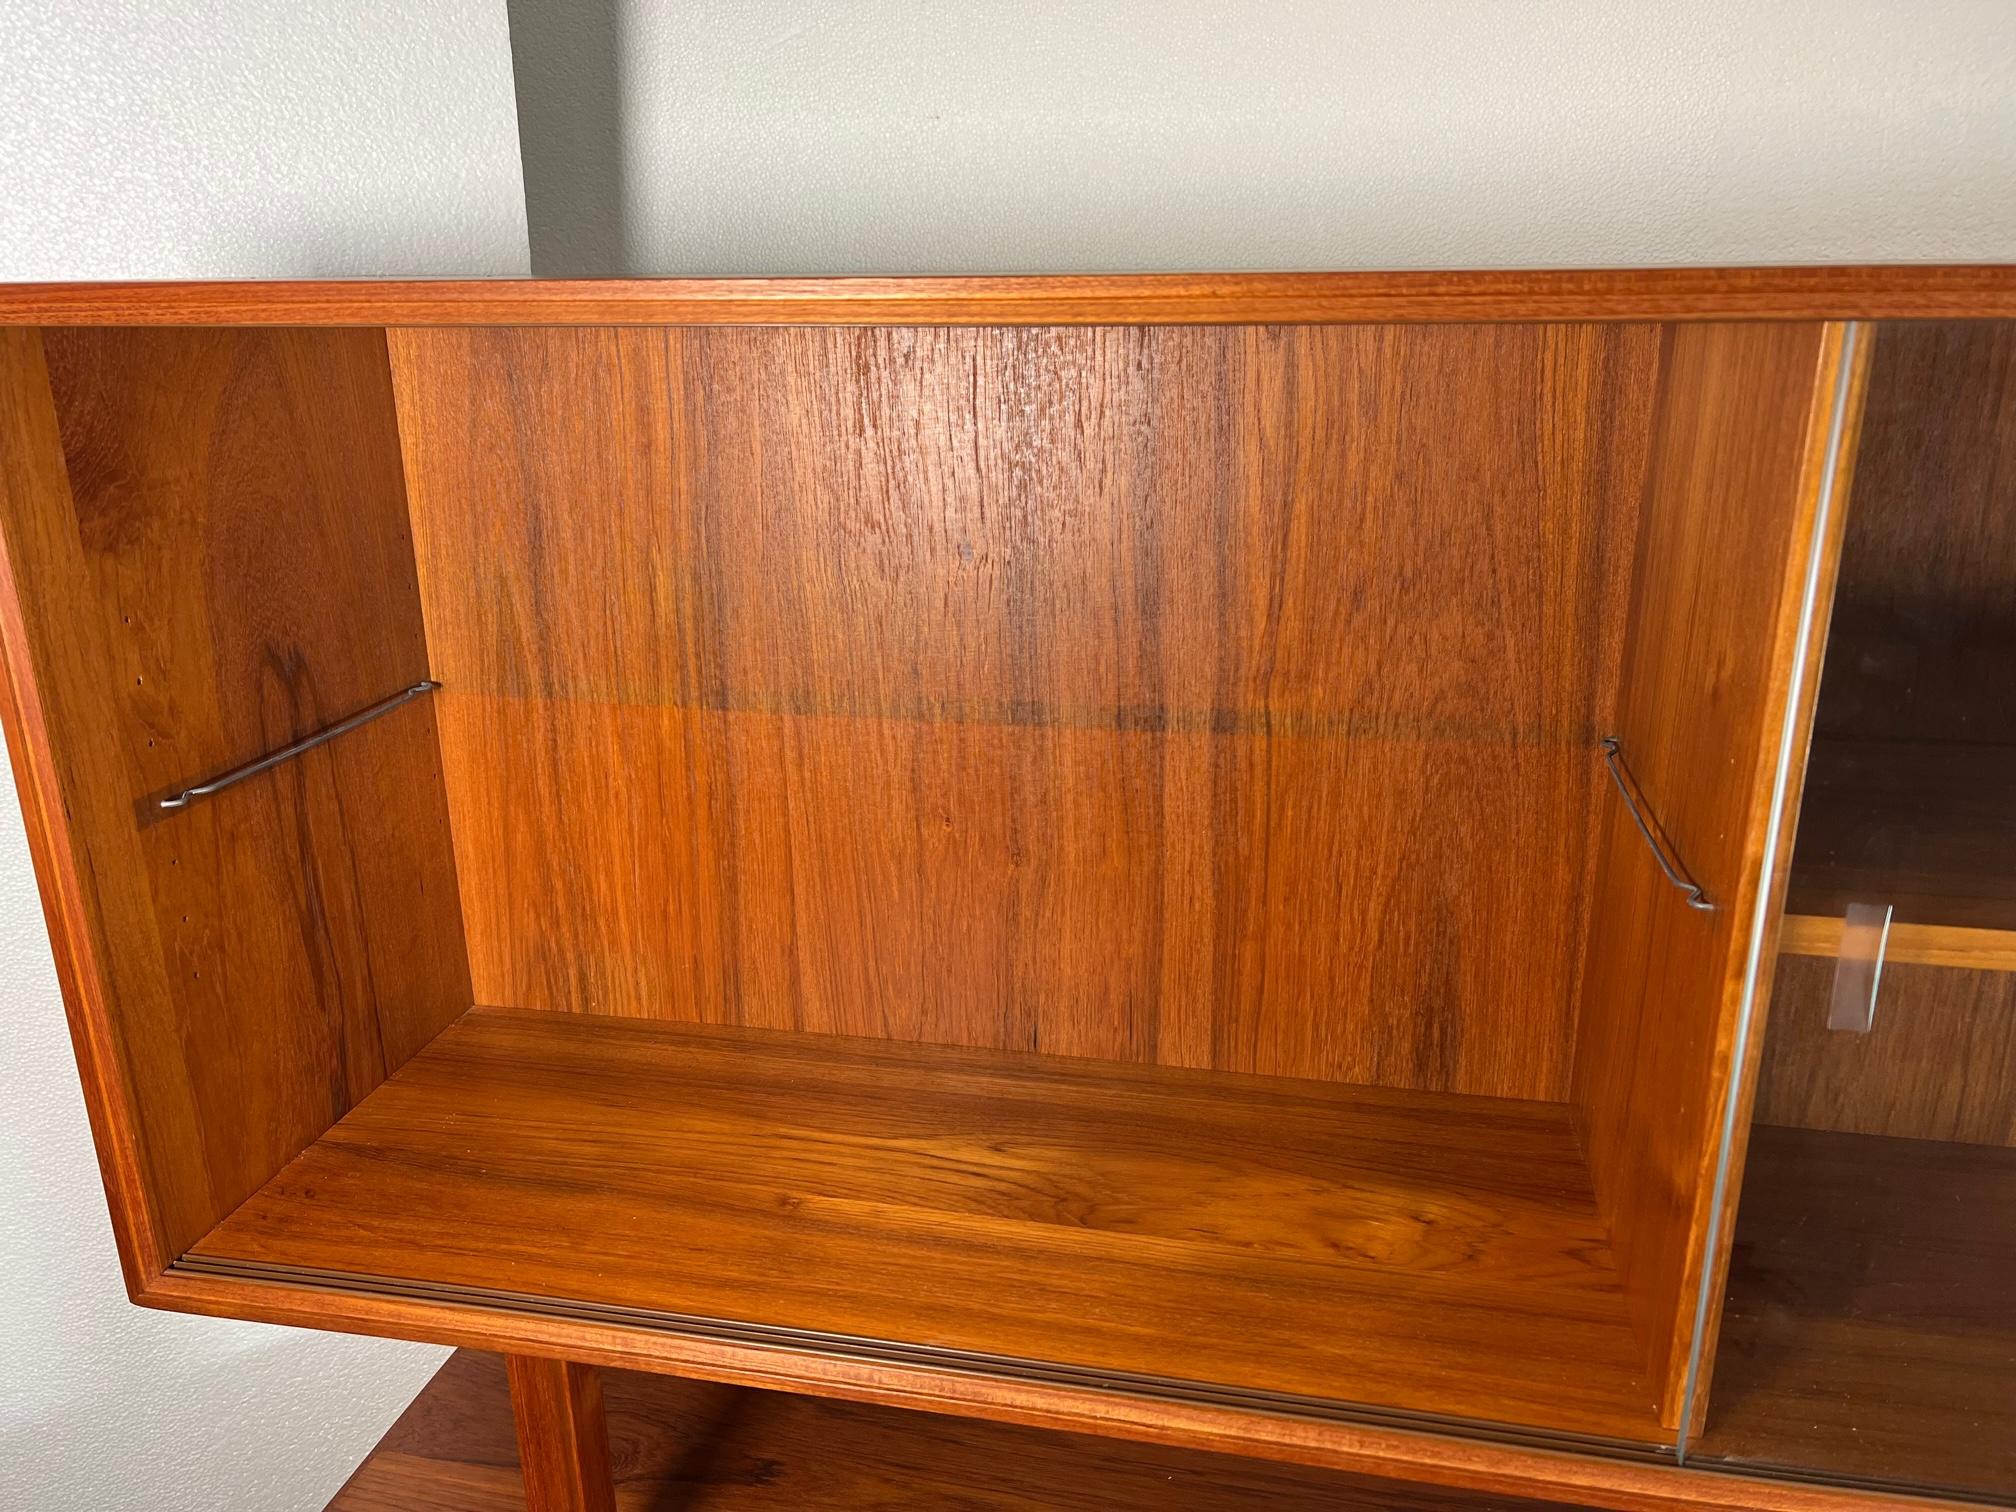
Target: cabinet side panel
x: 101, y: 927
x: 1202, y: 697
x: 1727, y: 558
x: 226, y: 568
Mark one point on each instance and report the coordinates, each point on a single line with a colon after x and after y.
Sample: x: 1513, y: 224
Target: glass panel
x: 1870, y: 1326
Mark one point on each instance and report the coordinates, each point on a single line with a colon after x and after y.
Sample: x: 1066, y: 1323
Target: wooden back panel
x: 1940, y: 1062
x: 1727, y: 553
x: 1215, y: 697
x: 206, y: 557
x: 1924, y: 632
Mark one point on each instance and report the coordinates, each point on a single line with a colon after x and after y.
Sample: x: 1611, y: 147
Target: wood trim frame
x: 938, y: 1359
x: 1730, y: 550
x: 1396, y: 1454
x: 1896, y: 292
x: 1827, y: 477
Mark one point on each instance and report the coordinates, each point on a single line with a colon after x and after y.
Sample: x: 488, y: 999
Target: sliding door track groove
x: 923, y: 1356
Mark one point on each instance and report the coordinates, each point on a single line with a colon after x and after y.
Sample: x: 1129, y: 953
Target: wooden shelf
x: 1870, y: 1331
x: 1929, y: 828
x: 1908, y: 945
x: 705, y: 1448
x: 1317, y: 1248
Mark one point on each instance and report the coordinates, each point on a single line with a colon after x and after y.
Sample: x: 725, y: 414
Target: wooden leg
x: 563, y: 1439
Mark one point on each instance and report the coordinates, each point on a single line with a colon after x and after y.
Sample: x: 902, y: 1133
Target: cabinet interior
x: 1083, y: 852
x: 1870, y: 1331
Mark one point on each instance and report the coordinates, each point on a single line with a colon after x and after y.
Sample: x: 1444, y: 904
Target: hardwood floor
x: 694, y: 1447
x: 1188, y: 1233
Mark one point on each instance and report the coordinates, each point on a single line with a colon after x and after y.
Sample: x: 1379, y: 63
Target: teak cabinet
x: 1177, y: 859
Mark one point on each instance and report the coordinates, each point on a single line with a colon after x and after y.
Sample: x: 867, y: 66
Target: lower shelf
x: 1293, y: 1245
x: 706, y: 1448
x: 1870, y: 1332
x: 1907, y: 944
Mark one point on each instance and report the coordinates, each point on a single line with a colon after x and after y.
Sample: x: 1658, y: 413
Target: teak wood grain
x: 1201, y: 1232
x: 797, y: 498
x: 562, y: 1435
x: 1727, y: 547
x: 1939, y: 1062
x: 213, y: 562
x: 705, y: 1448
x: 1498, y: 1468
x: 1870, y: 1330
x: 1195, y: 697
x: 1822, y: 293
x: 66, y: 786
x: 1909, y: 944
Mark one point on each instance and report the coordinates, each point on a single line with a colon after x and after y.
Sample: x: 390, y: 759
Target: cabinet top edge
x: 1840, y: 292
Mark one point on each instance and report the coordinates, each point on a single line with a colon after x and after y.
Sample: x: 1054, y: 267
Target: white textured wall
x: 775, y: 136
x: 237, y: 137
x: 105, y: 1406
x: 257, y: 138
